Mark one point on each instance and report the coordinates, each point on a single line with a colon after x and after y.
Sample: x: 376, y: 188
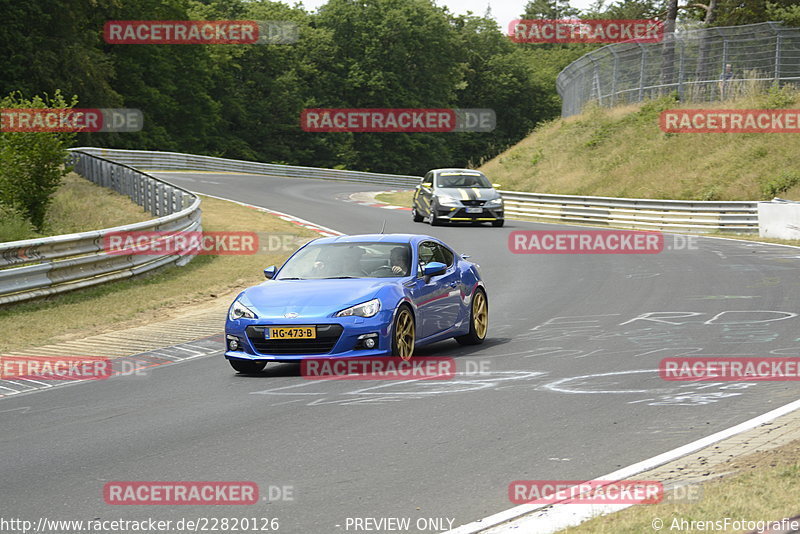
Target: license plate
x: 291, y: 332
x: 474, y: 210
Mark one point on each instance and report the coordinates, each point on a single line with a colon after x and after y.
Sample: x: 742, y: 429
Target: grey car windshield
x: 348, y: 260
x: 462, y: 180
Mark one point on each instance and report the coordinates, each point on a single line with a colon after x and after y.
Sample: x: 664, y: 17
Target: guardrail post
x: 148, y: 196
x: 172, y: 205
x: 159, y: 199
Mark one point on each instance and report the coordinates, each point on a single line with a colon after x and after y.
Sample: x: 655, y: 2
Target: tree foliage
x: 32, y: 164
x: 245, y: 101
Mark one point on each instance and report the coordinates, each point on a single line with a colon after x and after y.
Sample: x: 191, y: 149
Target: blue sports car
x: 359, y: 295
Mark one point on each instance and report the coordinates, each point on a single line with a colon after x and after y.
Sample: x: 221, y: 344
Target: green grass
x: 621, y: 152
x: 78, y: 206
x: 401, y: 198
x: 763, y: 486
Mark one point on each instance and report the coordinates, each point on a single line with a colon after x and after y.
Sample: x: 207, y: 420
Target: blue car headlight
x: 365, y: 309
x: 239, y: 310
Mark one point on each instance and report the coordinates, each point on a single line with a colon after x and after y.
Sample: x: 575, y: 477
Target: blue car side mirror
x: 269, y: 272
x: 433, y: 268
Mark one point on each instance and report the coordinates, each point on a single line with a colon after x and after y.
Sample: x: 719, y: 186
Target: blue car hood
x: 310, y: 298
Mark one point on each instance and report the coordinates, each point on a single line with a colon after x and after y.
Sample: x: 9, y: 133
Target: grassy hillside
x: 621, y: 152
x: 78, y: 206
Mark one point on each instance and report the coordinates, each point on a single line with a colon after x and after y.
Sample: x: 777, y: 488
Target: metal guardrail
x: 177, y: 161
x: 668, y: 215
x: 674, y: 215
x: 40, y: 267
x: 701, y: 65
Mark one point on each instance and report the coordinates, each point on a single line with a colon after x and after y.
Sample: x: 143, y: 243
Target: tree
x: 668, y: 54
x: 32, y: 163
x: 549, y: 9
x: 391, y: 54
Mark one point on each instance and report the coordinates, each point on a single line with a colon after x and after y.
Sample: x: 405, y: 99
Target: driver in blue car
x: 399, y: 261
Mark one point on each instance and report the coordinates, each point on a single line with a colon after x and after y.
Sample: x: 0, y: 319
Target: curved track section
x: 569, y: 389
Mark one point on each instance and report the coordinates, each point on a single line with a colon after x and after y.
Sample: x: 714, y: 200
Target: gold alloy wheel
x: 404, y: 334
x: 480, y: 314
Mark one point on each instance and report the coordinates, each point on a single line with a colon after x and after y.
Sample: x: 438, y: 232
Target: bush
x: 32, y: 164
x: 781, y: 184
x: 13, y: 226
x: 778, y: 97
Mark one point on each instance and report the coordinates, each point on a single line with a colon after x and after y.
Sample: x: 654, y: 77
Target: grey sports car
x: 457, y: 195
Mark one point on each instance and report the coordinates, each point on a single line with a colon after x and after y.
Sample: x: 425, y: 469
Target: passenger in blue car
x: 338, y: 262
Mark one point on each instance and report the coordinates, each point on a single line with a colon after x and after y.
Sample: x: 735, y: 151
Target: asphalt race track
x: 570, y: 389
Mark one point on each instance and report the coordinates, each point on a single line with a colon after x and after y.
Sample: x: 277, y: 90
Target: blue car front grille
x: 327, y: 336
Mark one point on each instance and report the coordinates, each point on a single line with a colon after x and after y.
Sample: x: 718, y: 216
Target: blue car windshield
x: 348, y: 260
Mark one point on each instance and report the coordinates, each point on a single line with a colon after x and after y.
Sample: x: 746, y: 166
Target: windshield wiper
x: 337, y: 277
x: 291, y: 278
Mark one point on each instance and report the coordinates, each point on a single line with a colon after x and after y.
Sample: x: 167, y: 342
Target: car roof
x: 373, y: 238
x: 454, y: 169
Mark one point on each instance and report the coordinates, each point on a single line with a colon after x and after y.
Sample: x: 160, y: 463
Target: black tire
x: 432, y: 211
x: 498, y: 224
x: 475, y: 336
x: 406, y: 351
x: 417, y: 217
x: 247, y: 367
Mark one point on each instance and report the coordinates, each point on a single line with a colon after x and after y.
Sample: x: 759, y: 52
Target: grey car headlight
x: 365, y: 309
x: 496, y: 203
x: 450, y: 202
x: 239, y: 310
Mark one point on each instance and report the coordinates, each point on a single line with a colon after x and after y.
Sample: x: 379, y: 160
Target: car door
x: 438, y: 299
x: 451, y: 281
x: 424, y: 195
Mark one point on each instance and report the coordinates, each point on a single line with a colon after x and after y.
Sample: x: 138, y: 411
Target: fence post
x: 596, y: 89
x: 681, y: 61
x: 641, y: 72
x: 614, y: 73
x: 724, y: 84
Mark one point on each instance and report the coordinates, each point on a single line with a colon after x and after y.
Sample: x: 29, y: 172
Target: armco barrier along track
x: 642, y: 213
x: 173, y: 160
x: 675, y: 215
x: 41, y: 267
